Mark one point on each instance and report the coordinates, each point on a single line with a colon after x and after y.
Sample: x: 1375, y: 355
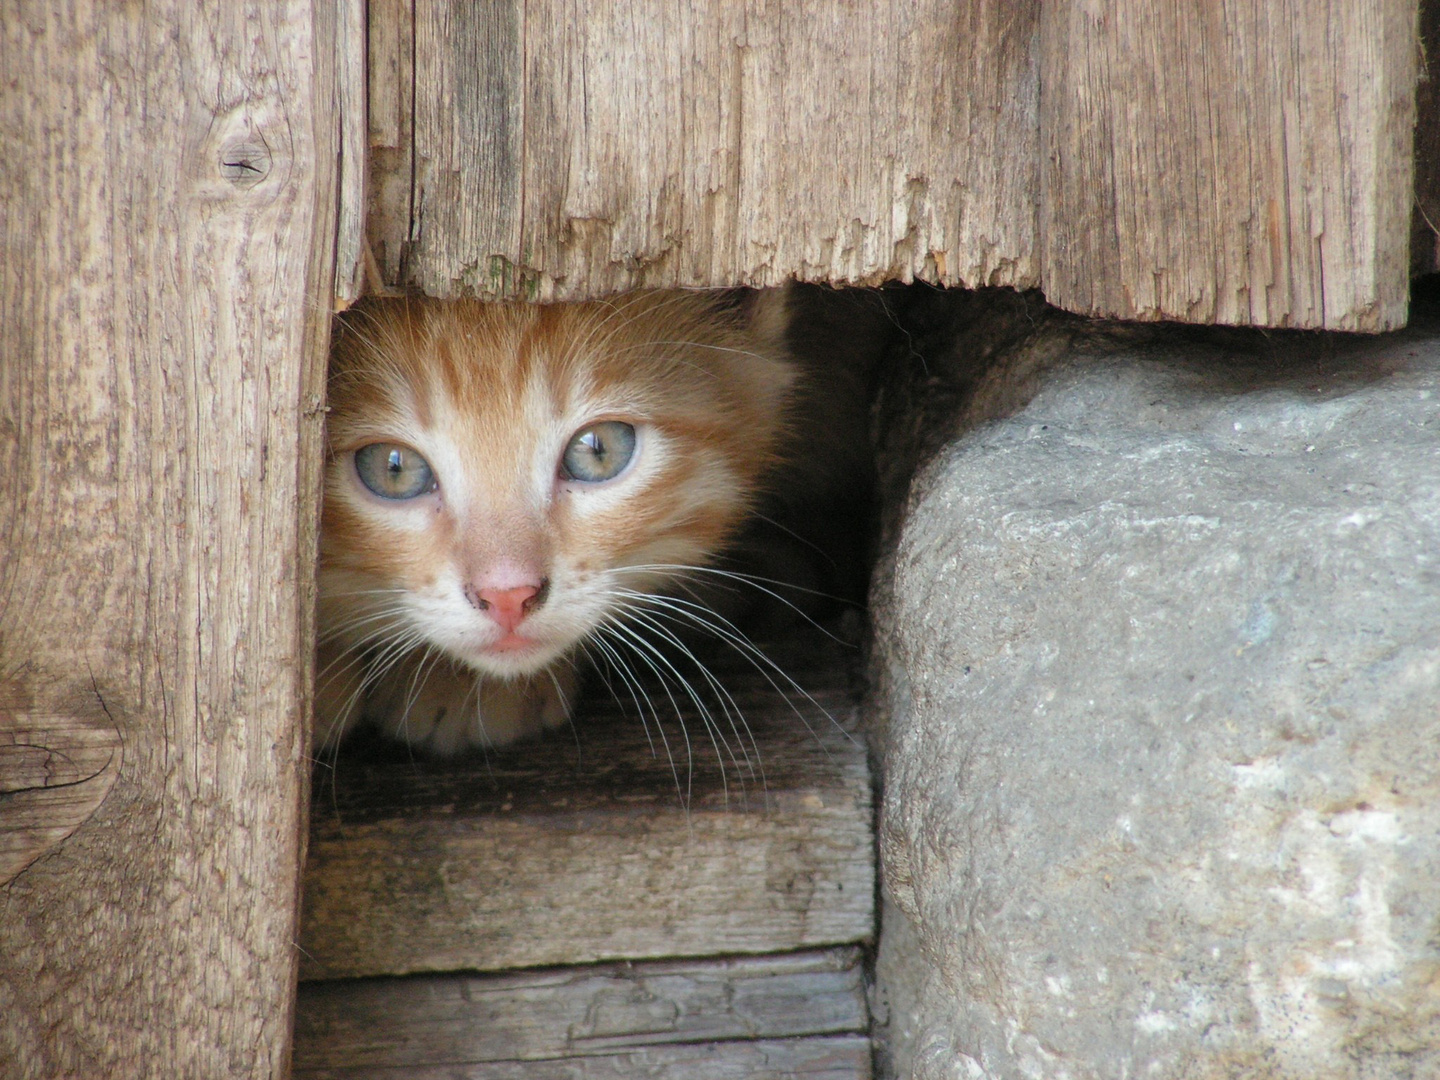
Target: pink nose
x: 508, y: 606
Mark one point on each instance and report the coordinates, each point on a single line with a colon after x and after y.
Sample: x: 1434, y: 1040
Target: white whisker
x: 610, y: 650
x: 711, y: 728
x: 726, y: 631
x: 616, y: 628
x: 612, y: 660
x: 728, y: 704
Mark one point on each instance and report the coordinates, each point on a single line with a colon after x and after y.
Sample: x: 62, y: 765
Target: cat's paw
x: 445, y: 710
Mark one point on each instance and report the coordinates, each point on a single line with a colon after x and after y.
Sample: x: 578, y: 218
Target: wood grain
x: 167, y: 214
x: 1242, y: 162
x: 390, y: 60
x: 352, y: 77
x: 836, y: 1057
x: 620, y: 840
x: 575, y: 1012
x: 56, y: 768
x: 567, y: 150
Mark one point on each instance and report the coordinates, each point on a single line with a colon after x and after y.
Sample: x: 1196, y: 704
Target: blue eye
x: 393, y: 471
x: 598, y: 452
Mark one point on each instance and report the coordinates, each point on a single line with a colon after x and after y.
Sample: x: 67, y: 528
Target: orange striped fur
x: 490, y: 395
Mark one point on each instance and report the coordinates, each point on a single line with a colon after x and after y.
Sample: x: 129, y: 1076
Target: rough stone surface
x: 1161, y: 657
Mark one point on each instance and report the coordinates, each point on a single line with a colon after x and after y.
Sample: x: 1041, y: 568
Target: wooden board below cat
x: 835, y: 1057
x: 614, y: 841
x: 796, y: 1015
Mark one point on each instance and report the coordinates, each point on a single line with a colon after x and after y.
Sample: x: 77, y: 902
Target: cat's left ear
x: 768, y: 312
x: 768, y: 365
x: 752, y: 304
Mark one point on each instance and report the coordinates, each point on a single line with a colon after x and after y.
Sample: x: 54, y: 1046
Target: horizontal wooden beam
x: 831, y: 1057
x: 1245, y: 163
x: 578, y: 1012
x: 564, y: 150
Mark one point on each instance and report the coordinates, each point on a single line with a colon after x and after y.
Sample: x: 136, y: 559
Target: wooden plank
x: 391, y: 62
x: 1243, y: 162
x: 837, y: 1057
x: 352, y: 73
x: 167, y: 215
x: 469, y: 126
x: 618, y: 840
x: 567, y: 150
x: 575, y: 1012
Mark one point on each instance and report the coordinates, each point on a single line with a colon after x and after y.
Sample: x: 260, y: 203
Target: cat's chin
x: 515, y: 644
x: 514, y: 656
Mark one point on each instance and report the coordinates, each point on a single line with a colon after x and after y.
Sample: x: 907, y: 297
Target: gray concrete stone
x: 1161, y: 657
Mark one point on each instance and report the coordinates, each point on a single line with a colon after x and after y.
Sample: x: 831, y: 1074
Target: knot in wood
x: 245, y: 161
x: 60, y: 752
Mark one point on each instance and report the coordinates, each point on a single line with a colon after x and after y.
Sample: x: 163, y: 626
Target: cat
x: 503, y: 479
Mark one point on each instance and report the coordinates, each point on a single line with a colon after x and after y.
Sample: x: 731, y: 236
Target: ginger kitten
x: 503, y: 479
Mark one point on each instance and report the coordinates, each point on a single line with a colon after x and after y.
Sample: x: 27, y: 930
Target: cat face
x: 501, y: 475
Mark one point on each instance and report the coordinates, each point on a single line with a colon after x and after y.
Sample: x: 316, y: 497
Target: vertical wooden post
x: 351, y: 78
x: 390, y: 110
x: 167, y: 216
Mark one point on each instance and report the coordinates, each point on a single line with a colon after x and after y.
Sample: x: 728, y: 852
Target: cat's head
x: 502, y: 476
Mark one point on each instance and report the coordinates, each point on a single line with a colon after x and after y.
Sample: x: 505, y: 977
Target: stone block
x: 1160, y: 654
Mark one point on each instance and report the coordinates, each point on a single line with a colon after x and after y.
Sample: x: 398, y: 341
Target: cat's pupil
x: 393, y: 472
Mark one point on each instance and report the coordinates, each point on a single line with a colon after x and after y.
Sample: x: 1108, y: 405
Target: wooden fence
x: 179, y: 181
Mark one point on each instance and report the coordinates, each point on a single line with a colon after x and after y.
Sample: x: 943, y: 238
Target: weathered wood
x: 167, y: 213
x: 351, y: 74
x: 391, y: 63
x: 55, y: 769
x: 575, y: 1012
x: 1244, y: 162
x: 619, y: 840
x: 566, y: 149
x: 837, y: 1057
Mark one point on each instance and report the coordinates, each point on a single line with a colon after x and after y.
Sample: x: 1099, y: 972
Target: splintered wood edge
x: 597, y: 1011
x: 703, y: 151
